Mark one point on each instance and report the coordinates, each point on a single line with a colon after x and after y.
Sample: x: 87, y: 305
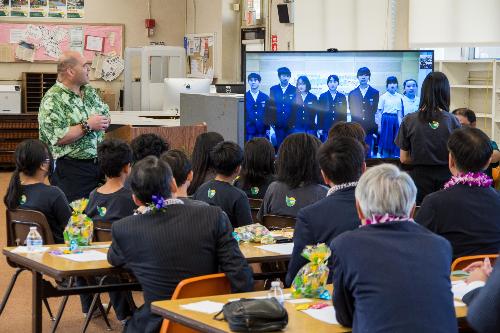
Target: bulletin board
x: 200, y: 55
x: 51, y: 39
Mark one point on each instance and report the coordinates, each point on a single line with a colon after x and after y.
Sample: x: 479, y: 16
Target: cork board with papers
x: 200, y: 55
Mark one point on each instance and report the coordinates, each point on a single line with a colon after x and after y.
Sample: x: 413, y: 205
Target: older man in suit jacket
x: 171, y: 241
x: 342, y: 161
x: 391, y: 274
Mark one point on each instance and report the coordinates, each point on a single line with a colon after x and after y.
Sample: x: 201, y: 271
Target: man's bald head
x: 72, y: 69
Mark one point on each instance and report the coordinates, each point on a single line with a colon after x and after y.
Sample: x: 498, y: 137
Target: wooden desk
x: 297, y: 320
x: 255, y: 255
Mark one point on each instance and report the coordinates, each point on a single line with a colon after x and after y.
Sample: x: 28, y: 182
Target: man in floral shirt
x: 72, y: 120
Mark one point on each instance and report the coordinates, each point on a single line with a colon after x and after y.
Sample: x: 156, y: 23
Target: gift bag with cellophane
x: 80, y: 227
x: 310, y: 281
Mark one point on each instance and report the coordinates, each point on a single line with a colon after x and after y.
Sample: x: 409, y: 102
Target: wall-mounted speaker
x: 283, y: 13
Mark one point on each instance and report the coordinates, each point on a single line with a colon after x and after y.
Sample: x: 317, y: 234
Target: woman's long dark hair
x: 258, y: 162
x: 200, y: 159
x: 297, y: 164
x: 434, y: 97
x: 29, y: 155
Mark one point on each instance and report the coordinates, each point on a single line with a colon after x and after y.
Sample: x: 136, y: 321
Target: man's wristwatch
x: 85, y: 127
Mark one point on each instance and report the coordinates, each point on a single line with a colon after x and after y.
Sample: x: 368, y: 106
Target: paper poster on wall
x: 75, y: 8
x: 16, y: 35
x: 39, y: 8
x: 19, y: 8
x: 94, y: 43
x: 76, y: 39
x: 25, y: 51
x: 4, y: 7
x: 57, y: 8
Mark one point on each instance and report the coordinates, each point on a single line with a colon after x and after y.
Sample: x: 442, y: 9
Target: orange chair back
x: 462, y: 262
x: 200, y: 286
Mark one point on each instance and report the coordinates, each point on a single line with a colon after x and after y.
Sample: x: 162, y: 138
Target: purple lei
x: 479, y: 179
x: 377, y: 219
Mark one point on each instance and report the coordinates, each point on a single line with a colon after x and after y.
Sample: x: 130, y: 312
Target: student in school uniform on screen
x: 304, y: 109
x: 363, y: 102
x: 332, y: 107
x: 255, y: 102
x: 281, y: 97
x: 388, y: 118
x: 411, y: 100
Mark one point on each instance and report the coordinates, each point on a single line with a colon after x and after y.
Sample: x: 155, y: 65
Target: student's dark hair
x: 341, y: 159
x: 113, y: 155
x: 470, y: 148
x: 333, y: 77
x: 304, y: 80
x: 179, y: 163
x: 408, y: 80
x: 352, y: 130
x: 258, y: 162
x: 391, y: 80
x: 434, y: 96
x: 226, y: 157
x: 254, y: 76
x: 284, y: 71
x: 200, y: 158
x: 148, y: 144
x: 29, y: 156
x: 364, y: 71
x: 297, y: 164
x: 467, y: 113
x: 150, y: 176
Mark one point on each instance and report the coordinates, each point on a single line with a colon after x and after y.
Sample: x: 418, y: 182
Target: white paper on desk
x: 24, y: 249
x: 283, y: 248
x: 204, y: 306
x: 85, y: 256
x: 459, y: 289
x: 458, y: 303
x: 299, y: 300
x: 326, y: 314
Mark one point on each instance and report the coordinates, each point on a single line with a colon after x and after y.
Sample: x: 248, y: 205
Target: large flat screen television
x: 290, y: 92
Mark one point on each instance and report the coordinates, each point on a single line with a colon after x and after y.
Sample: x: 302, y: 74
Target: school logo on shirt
x: 211, y: 193
x: 434, y: 124
x: 101, y: 210
x: 23, y: 199
x: 254, y: 190
x: 290, y: 201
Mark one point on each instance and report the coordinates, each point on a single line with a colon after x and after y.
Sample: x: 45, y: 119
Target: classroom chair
x: 254, y: 208
x: 278, y: 222
x: 18, y: 226
x: 200, y: 286
x: 462, y: 262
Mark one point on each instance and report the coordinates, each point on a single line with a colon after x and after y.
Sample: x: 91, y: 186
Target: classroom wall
x: 170, y: 16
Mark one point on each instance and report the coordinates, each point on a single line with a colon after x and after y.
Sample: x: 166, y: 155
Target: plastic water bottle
x: 276, y: 292
x: 34, y: 241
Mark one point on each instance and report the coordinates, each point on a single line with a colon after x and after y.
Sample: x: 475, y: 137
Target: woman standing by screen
x: 423, y: 135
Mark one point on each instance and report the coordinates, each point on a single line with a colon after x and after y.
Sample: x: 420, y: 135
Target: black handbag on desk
x: 254, y: 315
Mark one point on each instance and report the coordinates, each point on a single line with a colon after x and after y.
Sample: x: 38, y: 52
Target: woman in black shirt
x: 257, y: 170
x: 423, y: 135
x: 27, y: 188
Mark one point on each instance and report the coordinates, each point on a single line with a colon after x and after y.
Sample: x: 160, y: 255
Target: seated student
x: 226, y: 157
x: 391, y: 274
x: 110, y: 203
x: 27, y: 189
x: 465, y: 211
x: 342, y: 161
x: 203, y: 169
x: 483, y: 299
x: 298, y: 175
x: 257, y: 170
x: 183, y: 175
x: 351, y: 130
x: 148, y: 144
x: 174, y: 242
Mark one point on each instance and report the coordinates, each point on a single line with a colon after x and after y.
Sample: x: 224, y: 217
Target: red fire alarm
x: 150, y: 23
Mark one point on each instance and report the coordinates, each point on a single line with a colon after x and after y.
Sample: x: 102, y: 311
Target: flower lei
x: 160, y: 204
x: 378, y: 219
x: 339, y: 187
x: 479, y: 179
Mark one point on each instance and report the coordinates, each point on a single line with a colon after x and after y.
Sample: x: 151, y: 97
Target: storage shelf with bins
x: 35, y: 85
x: 476, y: 84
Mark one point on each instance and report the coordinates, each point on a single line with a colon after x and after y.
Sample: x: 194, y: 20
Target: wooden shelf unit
x: 13, y: 130
x: 35, y: 85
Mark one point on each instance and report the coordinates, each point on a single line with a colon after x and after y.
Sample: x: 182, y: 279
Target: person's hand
x: 479, y: 271
x: 98, y: 122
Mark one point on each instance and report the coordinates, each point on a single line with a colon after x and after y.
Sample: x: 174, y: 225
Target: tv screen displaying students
x: 309, y: 92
